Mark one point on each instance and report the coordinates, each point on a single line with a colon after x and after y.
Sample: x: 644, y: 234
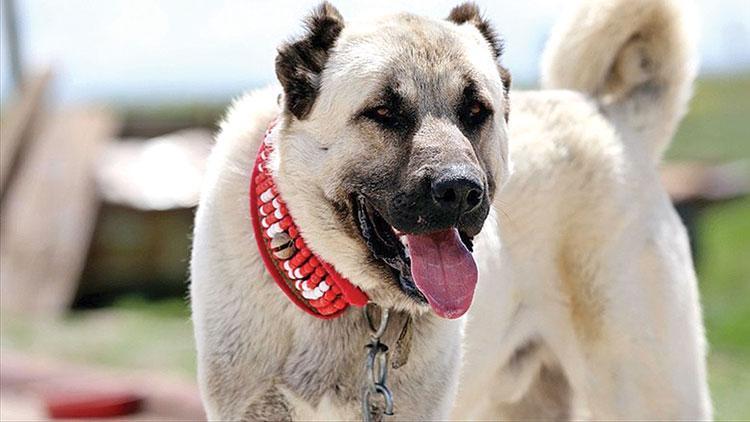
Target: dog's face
x: 392, y: 146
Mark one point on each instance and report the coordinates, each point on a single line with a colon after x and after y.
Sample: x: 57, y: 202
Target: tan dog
x: 392, y: 153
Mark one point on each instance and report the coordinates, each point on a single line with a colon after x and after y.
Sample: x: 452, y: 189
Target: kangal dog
x: 413, y: 171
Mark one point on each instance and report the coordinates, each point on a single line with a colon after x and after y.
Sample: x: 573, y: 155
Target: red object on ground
x: 92, y: 404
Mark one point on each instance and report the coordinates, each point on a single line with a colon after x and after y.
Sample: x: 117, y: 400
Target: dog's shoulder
x: 562, y: 129
x: 227, y: 176
x: 572, y: 167
x: 241, y: 130
x: 567, y: 137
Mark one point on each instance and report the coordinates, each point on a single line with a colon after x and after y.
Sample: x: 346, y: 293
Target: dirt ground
x: 26, y: 383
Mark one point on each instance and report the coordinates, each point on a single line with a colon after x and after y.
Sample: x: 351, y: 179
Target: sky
x: 177, y: 50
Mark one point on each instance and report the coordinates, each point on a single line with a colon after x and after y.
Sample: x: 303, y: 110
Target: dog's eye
x: 385, y: 117
x: 383, y: 112
x: 474, y: 113
x: 379, y: 114
x: 475, y: 109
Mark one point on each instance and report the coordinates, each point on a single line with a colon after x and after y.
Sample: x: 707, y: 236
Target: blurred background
x: 107, y: 114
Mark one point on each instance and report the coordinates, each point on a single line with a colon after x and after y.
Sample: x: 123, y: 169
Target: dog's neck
x: 310, y: 282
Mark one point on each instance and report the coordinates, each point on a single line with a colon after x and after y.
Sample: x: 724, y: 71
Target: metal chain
x: 376, y: 365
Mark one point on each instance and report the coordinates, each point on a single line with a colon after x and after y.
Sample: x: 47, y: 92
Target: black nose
x: 460, y: 191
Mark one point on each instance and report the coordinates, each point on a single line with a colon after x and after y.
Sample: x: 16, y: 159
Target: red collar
x: 311, y: 283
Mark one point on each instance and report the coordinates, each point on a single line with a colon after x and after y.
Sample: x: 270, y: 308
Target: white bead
x: 267, y: 195
x: 323, y: 286
x: 278, y: 214
x: 274, y: 230
x: 297, y: 273
x: 317, y: 293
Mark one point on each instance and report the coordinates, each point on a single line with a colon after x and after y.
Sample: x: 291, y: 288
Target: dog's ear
x: 469, y: 13
x: 300, y: 62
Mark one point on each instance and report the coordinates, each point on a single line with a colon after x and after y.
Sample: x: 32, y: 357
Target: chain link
x: 376, y: 365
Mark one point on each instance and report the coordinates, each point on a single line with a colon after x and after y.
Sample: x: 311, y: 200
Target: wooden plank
x: 50, y: 210
x: 18, y: 123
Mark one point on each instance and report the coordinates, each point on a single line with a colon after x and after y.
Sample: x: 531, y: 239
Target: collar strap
x: 311, y: 283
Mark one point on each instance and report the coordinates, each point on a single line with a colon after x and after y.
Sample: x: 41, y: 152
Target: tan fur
x: 586, y: 303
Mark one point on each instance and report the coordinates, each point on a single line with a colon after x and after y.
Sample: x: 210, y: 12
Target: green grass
x: 724, y: 273
x: 716, y: 127
x: 724, y: 270
x: 134, y: 334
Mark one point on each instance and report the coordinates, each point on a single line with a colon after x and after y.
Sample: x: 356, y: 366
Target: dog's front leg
x: 239, y: 384
x: 241, y: 350
x: 233, y: 394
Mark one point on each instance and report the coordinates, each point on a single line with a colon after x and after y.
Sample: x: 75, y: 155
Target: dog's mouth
x: 435, y: 267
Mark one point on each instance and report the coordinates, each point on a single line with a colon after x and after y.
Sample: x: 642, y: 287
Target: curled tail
x: 635, y: 57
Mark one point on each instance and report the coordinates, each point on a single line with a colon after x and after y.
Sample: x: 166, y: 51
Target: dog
x: 402, y: 163
x: 590, y: 308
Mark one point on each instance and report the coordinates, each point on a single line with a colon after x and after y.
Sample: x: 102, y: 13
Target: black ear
x: 300, y: 62
x: 469, y: 13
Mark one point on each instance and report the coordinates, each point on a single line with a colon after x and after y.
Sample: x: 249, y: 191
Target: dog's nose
x: 457, y: 190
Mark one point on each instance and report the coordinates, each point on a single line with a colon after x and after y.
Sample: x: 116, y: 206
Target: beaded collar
x: 310, y: 282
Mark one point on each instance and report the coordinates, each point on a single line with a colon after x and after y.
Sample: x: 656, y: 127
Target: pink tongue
x: 444, y: 271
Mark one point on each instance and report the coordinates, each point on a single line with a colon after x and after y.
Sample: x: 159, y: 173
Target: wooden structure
x: 49, y: 201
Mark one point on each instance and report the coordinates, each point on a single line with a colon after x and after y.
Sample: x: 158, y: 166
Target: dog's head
x: 392, y: 145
